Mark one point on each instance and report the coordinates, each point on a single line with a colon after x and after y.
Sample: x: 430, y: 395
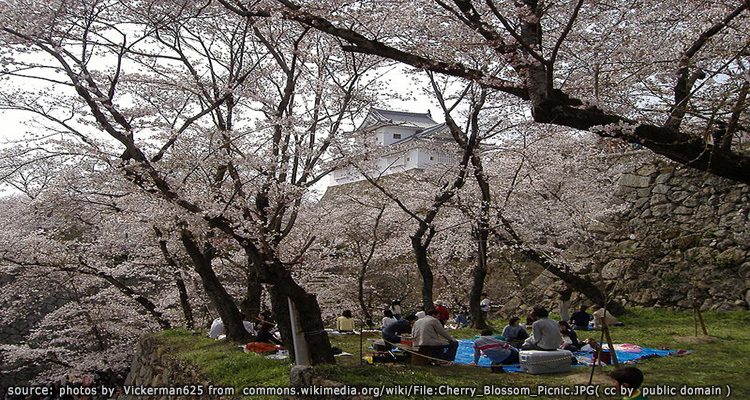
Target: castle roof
x: 391, y: 117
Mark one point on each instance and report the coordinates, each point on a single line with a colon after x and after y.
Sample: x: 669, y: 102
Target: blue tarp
x: 626, y: 353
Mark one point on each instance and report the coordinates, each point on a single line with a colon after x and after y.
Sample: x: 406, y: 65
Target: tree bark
x: 361, y: 296
x: 423, y: 266
x: 272, y: 271
x: 225, y: 306
x: 250, y: 304
x: 187, y: 310
x: 477, y: 286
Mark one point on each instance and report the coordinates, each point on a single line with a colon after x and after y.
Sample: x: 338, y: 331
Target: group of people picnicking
x: 427, y: 331
x: 263, y: 330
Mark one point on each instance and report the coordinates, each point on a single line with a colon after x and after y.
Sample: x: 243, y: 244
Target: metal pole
x: 301, y: 352
x: 361, y: 361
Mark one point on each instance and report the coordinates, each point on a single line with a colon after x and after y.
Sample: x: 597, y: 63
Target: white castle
x: 410, y: 136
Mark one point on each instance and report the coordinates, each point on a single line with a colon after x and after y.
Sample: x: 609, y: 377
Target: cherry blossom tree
x: 657, y: 76
x: 87, y: 276
x: 226, y: 119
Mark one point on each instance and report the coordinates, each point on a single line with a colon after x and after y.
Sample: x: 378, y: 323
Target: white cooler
x: 545, y: 362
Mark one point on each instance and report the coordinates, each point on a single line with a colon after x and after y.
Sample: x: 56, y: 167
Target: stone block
x: 661, y: 189
x: 681, y: 210
x: 647, y: 170
x: 678, y: 196
x: 615, y: 269
x: 661, y: 210
x: 635, y: 181
x: 658, y: 199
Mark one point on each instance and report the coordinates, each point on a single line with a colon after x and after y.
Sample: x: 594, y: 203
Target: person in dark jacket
x: 569, y: 336
x: 392, y: 333
x: 580, y: 319
x: 265, y: 335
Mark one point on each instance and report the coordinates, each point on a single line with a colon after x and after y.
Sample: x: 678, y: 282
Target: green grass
x: 225, y: 363
x: 720, y: 359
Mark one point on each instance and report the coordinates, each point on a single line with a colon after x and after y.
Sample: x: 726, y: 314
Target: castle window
x: 397, y: 136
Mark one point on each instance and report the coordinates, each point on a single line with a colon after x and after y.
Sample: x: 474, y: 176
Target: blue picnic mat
x: 626, y: 353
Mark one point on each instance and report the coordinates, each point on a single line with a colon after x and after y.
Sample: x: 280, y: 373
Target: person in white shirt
x: 484, y: 305
x: 217, y: 328
x: 545, y: 333
x: 432, y: 339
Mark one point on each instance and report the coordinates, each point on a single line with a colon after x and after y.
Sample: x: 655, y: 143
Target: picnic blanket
x: 626, y: 353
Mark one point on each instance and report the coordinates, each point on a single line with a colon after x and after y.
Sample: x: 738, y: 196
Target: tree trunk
x: 280, y: 307
x: 481, y: 231
x: 477, y: 287
x: 225, y: 306
x: 423, y: 266
x: 187, y: 310
x: 250, y: 305
x: 361, y: 296
x: 283, y: 286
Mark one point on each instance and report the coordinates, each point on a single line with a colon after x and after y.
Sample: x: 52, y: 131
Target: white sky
x: 404, y: 89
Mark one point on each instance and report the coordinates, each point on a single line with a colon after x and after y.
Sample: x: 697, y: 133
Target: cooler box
x: 545, y: 362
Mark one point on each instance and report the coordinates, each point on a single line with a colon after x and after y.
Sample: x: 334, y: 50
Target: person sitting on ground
x: 580, y: 319
x: 600, y: 317
x: 387, y: 319
x: 264, y: 317
x: 265, y: 335
x: 217, y: 329
x: 569, y: 337
x: 545, y: 333
x: 627, y: 381
x: 442, y: 310
x: 498, y: 351
x: 392, y: 333
x: 248, y: 325
x: 396, y: 308
x: 345, y: 322
x: 462, y: 318
x: 431, y: 338
x: 514, y: 333
x: 531, y: 317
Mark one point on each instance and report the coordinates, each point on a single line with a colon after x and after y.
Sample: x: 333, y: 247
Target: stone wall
x: 684, y: 238
x: 681, y: 239
x: 154, y: 366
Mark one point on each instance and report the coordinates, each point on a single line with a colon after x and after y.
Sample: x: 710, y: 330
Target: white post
x: 301, y: 352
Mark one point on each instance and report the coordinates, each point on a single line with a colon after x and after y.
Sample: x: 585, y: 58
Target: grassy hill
x: 718, y: 361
